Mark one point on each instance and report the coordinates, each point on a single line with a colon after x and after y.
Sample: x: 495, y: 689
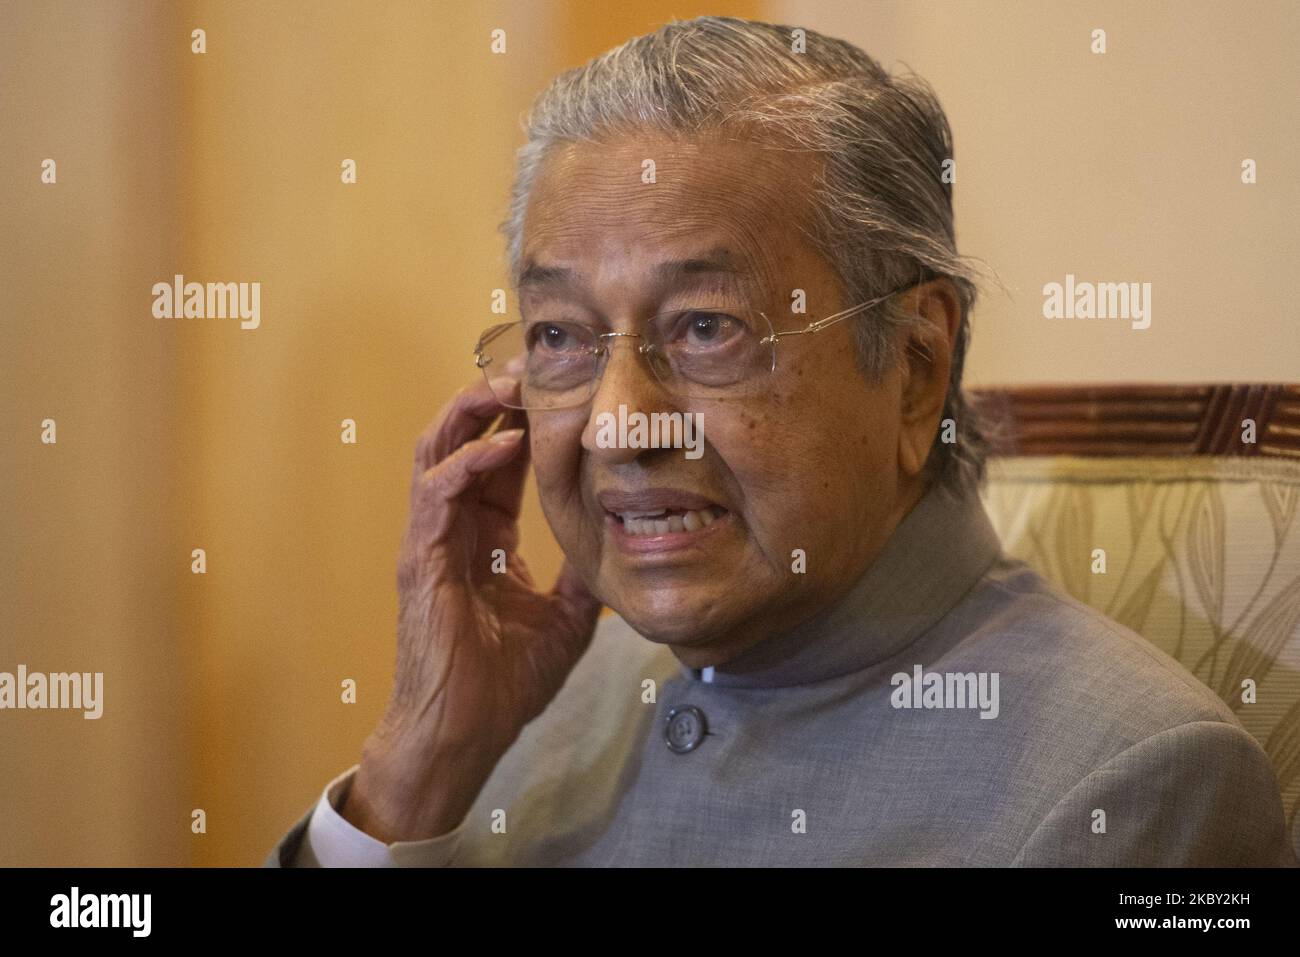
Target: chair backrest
x: 1173, y: 510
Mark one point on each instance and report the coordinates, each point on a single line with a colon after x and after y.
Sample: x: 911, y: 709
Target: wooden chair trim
x: 1140, y: 419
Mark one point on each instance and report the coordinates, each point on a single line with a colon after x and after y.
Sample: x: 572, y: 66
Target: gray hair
x: 881, y: 211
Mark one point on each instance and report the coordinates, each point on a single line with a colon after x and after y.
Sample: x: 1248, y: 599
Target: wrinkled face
x: 808, y: 463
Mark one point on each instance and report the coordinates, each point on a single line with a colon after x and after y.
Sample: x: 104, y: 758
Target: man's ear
x: 927, y: 361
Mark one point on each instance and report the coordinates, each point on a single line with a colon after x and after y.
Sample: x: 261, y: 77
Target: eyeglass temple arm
x: 821, y: 324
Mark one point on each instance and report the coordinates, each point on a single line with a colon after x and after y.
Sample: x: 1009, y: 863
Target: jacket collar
x: 938, y: 552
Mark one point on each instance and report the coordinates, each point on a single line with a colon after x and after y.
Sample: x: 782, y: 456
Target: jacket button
x: 686, y: 729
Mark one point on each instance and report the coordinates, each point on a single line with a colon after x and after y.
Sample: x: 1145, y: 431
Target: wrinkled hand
x: 479, y: 654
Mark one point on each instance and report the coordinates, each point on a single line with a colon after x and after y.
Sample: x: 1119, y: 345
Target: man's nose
x: 628, y: 381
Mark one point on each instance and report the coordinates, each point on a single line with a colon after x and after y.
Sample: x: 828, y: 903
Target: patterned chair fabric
x: 1199, y: 554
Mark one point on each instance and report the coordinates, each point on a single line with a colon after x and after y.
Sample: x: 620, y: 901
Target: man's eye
x: 707, y: 328
x: 552, y: 337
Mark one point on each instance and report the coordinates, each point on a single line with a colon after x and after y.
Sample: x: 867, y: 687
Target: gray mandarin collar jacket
x: 1030, y: 731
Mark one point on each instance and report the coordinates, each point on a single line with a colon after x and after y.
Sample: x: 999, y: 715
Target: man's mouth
x: 669, y: 516
x: 665, y: 520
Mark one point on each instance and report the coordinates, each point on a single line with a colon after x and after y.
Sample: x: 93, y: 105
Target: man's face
x: 810, y: 462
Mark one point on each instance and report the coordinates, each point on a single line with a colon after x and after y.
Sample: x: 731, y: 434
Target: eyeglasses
x: 694, y: 353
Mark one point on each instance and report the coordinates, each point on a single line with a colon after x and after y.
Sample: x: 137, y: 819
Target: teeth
x: 657, y: 512
x: 638, y: 523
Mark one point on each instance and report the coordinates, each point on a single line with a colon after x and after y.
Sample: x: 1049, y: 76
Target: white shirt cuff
x: 331, y: 841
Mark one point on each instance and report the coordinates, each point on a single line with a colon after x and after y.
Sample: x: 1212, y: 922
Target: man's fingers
x: 435, y: 507
x: 470, y: 411
x: 454, y: 475
x: 504, y: 488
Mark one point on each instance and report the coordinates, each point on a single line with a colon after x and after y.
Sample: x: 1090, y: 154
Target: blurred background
x: 222, y: 690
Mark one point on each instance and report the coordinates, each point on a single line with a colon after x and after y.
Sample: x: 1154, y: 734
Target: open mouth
x: 666, y: 520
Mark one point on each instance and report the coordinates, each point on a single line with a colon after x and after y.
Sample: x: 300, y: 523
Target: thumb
x: 579, y: 604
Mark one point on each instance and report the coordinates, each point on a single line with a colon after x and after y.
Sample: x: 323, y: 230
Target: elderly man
x: 819, y: 655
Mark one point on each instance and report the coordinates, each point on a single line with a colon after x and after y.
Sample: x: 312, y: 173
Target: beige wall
x: 92, y: 532
x: 1116, y: 167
